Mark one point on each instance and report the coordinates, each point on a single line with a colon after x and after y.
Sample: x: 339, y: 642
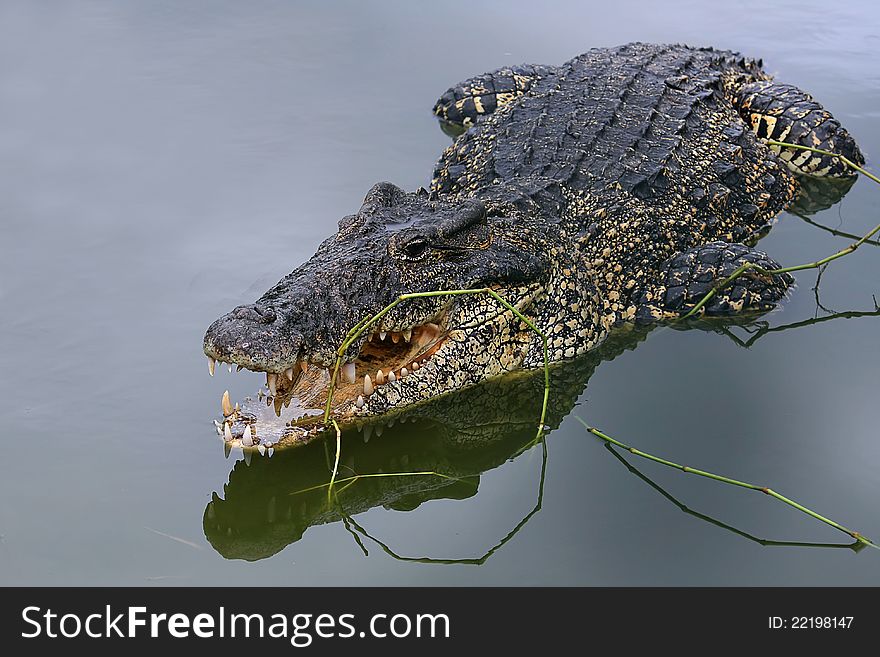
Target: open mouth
x: 385, y: 358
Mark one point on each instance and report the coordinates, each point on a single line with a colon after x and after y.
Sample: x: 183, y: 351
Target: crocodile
x: 617, y: 188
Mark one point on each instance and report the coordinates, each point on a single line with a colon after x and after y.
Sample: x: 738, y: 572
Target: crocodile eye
x: 416, y: 248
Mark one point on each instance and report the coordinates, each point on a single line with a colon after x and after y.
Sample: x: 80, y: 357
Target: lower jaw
x: 294, y: 414
x: 254, y: 426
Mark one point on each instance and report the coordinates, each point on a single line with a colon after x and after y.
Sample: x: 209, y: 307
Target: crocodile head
x: 397, y: 243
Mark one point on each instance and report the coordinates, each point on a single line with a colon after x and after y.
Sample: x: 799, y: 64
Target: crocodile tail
x: 462, y: 105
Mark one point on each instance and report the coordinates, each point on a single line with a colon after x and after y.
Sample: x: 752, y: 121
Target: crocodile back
x: 639, y: 124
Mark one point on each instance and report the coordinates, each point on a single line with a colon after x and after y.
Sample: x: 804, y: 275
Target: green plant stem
x: 727, y: 480
x: 476, y: 561
x: 852, y: 165
x: 855, y: 546
x: 748, y: 266
x: 336, y: 462
x: 354, y: 478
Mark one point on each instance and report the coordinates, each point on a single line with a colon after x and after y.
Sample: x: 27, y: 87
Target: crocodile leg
x: 688, y: 276
x: 462, y: 105
x: 783, y: 112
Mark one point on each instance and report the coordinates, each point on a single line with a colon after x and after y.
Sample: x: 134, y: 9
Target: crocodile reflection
x: 816, y: 194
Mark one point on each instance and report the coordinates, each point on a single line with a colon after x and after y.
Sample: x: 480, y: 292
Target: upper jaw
x: 250, y: 344
x: 303, y: 368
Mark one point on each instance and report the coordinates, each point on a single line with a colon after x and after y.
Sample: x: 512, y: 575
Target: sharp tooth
x: 289, y: 373
x: 348, y: 373
x: 247, y: 439
x: 368, y: 431
x: 368, y: 386
x: 247, y: 457
x: 230, y: 368
x: 227, y: 432
x: 403, y: 372
x: 391, y: 422
x: 391, y: 377
x: 407, y: 335
x: 261, y: 449
x: 304, y: 366
x: 270, y: 451
x: 428, y: 334
x: 382, y: 334
x: 395, y: 337
x: 415, y: 366
x: 226, y: 405
x: 211, y: 364
x: 360, y: 402
x: 227, y: 449
x: 379, y: 430
x: 380, y: 378
x: 272, y: 381
x: 238, y: 368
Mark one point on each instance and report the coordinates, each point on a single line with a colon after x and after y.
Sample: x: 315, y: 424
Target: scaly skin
x: 615, y: 188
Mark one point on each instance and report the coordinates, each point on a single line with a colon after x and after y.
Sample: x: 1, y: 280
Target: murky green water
x: 163, y: 162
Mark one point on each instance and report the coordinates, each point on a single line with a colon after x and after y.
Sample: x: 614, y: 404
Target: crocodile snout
x: 252, y: 336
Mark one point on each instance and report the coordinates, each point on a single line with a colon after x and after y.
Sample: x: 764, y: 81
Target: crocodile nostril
x: 266, y: 313
x: 255, y: 313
